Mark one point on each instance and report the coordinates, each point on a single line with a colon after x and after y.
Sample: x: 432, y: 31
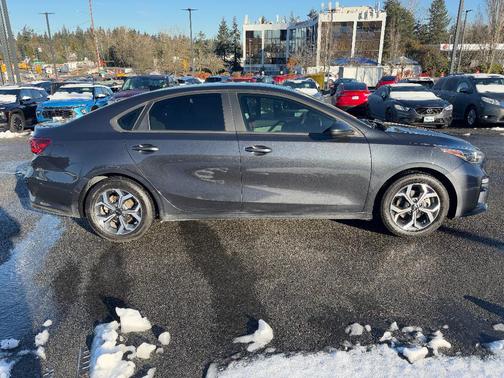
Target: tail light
x: 38, y: 145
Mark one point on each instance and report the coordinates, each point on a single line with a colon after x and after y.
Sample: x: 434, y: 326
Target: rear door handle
x: 258, y: 150
x: 146, y: 148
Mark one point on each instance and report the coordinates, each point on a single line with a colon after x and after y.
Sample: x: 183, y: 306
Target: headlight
x: 449, y: 107
x: 489, y: 100
x: 3, y: 116
x: 401, y: 108
x: 83, y: 110
x: 471, y: 156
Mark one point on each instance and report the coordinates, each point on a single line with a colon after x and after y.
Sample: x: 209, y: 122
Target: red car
x: 352, y: 96
x: 387, y: 80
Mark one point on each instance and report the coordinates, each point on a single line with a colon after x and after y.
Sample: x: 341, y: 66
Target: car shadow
x: 488, y: 336
x: 373, y: 226
x: 491, y: 242
x: 9, y: 229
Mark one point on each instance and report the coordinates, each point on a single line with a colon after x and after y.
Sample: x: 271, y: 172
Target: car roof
x: 83, y: 86
x: 398, y: 85
x: 21, y: 87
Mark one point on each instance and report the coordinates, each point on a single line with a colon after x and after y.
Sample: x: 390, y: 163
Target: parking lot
x: 208, y: 282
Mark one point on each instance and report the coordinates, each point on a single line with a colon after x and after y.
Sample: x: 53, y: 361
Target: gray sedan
x: 248, y: 151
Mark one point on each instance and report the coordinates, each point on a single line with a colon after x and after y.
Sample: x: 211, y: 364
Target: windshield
x: 76, y: 90
x: 301, y: 84
x: 148, y: 83
x: 410, y: 88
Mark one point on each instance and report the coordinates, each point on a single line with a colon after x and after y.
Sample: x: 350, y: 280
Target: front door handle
x: 146, y: 148
x: 258, y: 150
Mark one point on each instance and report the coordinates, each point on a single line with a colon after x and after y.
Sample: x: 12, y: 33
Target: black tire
x: 428, y: 226
x: 471, y: 117
x: 389, y: 115
x: 95, y: 212
x: 443, y: 126
x: 17, y: 122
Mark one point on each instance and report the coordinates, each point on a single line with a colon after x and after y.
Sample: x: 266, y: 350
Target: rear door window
x: 451, y: 84
x: 200, y: 112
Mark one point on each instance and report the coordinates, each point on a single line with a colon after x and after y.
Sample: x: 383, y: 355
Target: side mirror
x: 25, y: 99
x: 337, y: 132
x: 101, y: 95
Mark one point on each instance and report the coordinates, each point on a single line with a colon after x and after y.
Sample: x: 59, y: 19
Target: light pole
x: 456, y: 40
x: 9, y: 43
x: 51, y: 47
x: 190, y: 10
x: 462, y: 39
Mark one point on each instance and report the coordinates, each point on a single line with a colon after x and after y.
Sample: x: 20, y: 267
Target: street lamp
x: 190, y: 10
x: 462, y: 39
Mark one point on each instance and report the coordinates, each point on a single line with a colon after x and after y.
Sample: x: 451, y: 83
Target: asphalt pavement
x: 207, y: 282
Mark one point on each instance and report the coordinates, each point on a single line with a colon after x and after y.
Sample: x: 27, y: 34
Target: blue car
x: 73, y: 101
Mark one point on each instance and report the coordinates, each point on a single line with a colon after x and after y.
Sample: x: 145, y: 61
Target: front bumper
x: 411, y: 117
x: 492, y: 114
x: 471, y: 184
x: 65, y: 114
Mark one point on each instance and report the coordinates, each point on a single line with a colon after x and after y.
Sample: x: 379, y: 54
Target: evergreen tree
x: 236, y: 47
x: 222, y: 42
x: 439, y: 20
x: 399, y: 29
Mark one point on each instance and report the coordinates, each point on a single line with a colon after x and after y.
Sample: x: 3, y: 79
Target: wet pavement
x: 208, y: 282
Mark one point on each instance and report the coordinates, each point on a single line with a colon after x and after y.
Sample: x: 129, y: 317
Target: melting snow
x: 41, y: 352
x: 387, y: 335
x: 354, y: 329
x: 42, y: 338
x: 132, y: 321
x: 414, y: 353
x: 144, y: 351
x: 5, y: 368
x: 367, y: 327
x: 259, y: 339
x: 9, y: 344
x: 497, y: 128
x: 393, y: 327
x: 47, y: 323
x: 437, y: 342
x: 7, y: 98
x: 411, y: 329
x: 10, y: 135
x: 150, y: 373
x: 164, y: 338
x: 495, y: 346
x: 71, y: 95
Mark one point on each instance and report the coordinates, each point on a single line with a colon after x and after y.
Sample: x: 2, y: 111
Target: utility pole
x: 456, y: 40
x: 51, y: 46
x: 9, y: 46
x: 462, y: 40
x: 190, y: 10
x: 95, y: 40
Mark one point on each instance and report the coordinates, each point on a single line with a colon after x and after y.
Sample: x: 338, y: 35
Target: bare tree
x: 495, y: 12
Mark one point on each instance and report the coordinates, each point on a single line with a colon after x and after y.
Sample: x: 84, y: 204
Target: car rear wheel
x: 17, y: 122
x: 471, y: 117
x: 415, y: 205
x: 389, y: 115
x: 119, y: 209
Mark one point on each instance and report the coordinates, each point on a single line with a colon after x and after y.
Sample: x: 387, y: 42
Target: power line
x: 51, y: 46
x: 190, y: 10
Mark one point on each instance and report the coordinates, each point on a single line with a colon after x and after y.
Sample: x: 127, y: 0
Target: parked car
x: 477, y: 98
x: 306, y: 86
x: 386, y: 80
x: 18, y: 106
x: 411, y: 104
x: 264, y: 79
x: 218, y: 79
x: 46, y: 85
x: 73, y: 101
x: 179, y: 154
x: 352, y: 97
x: 427, y: 82
x: 343, y: 80
x: 188, y: 80
x: 135, y: 85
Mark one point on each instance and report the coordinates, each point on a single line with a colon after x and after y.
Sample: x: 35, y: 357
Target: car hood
x: 420, y: 136
x: 434, y: 103
x: 75, y: 102
x: 128, y: 93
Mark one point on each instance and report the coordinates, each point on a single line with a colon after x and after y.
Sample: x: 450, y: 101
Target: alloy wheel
x: 415, y: 207
x: 471, y: 117
x: 118, y: 211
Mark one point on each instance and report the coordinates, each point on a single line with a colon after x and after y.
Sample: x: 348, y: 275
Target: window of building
x: 367, y: 39
x: 254, y: 46
x: 202, y: 112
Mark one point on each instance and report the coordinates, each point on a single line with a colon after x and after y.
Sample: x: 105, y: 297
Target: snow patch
x: 40, y: 352
x: 132, y: 321
x: 411, y: 329
x: 159, y: 350
x: 150, y: 373
x: 7, y: 98
x: 9, y: 344
x: 367, y: 327
x: 497, y: 128
x: 354, y: 329
x: 490, y: 88
x: 47, y: 323
x: 71, y: 96
x: 10, y: 135
x: 144, y: 351
x: 393, y: 327
x: 405, y: 95
x: 437, y: 342
x: 259, y: 339
x: 5, y: 368
x: 164, y: 338
x: 498, y: 327
x: 42, y: 338
x: 496, y: 346
x: 387, y: 335
x: 414, y: 353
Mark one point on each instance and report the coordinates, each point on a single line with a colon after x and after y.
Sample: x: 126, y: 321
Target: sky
x: 153, y: 16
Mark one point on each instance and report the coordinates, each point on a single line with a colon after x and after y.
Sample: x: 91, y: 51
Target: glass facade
x: 303, y: 43
x: 367, y: 39
x: 253, y: 47
x: 275, y: 46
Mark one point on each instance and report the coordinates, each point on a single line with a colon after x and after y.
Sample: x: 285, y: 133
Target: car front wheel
x: 415, y: 205
x: 17, y: 123
x: 471, y: 117
x: 119, y: 209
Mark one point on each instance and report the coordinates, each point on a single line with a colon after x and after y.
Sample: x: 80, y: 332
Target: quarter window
x: 127, y: 121
x: 202, y: 112
x: 268, y: 114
